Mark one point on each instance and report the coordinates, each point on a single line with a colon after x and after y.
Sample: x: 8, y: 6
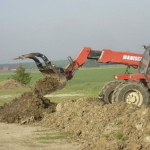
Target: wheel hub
x: 133, y: 97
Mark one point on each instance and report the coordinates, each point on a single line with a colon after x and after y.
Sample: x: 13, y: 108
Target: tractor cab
x: 144, y: 66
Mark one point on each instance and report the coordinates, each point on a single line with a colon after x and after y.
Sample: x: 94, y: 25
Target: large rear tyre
x: 107, y: 91
x: 132, y: 92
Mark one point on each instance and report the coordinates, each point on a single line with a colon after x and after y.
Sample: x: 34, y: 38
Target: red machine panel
x: 126, y: 58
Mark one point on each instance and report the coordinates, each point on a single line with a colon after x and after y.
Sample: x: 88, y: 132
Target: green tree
x: 21, y: 76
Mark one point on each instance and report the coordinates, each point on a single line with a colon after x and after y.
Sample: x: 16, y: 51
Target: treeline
x: 61, y: 63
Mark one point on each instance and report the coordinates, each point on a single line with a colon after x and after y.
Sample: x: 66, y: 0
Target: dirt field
x: 91, y: 123
x: 17, y: 137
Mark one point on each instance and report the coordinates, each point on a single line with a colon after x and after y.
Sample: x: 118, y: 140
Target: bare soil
x: 30, y: 106
x: 119, y: 126
x: 25, y: 137
x: 94, y: 125
x: 12, y: 84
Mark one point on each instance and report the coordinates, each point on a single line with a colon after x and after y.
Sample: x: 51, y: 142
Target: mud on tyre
x: 107, y: 91
x: 132, y: 92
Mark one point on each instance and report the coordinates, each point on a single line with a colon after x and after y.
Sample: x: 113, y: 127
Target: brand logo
x: 135, y: 58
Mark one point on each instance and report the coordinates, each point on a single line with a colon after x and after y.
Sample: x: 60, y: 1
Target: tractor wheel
x: 132, y: 92
x: 107, y: 91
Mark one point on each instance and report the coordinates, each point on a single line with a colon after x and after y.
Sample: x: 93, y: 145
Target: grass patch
x: 49, y: 137
x: 105, y: 136
x: 8, y: 95
x: 119, y: 136
x: 87, y: 81
x: 118, y: 123
x: 35, y: 74
x: 148, y: 133
x: 55, y: 137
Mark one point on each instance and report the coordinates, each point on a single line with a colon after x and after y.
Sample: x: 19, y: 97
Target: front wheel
x: 132, y: 92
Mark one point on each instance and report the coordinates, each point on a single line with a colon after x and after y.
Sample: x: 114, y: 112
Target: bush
x: 21, y: 76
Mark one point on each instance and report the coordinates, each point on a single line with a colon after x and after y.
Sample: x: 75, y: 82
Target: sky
x: 61, y: 28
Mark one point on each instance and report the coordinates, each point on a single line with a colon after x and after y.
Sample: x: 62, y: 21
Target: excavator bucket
x: 48, y: 69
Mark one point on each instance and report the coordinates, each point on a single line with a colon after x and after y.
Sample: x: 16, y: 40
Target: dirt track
x: 16, y: 137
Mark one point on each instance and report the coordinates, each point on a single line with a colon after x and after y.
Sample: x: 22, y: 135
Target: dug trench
x: 95, y: 125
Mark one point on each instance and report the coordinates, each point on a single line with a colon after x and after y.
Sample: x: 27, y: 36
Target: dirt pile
x: 12, y: 84
x: 30, y: 106
x: 118, y: 126
x: 45, y: 85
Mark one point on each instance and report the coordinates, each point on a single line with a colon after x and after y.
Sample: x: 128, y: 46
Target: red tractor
x: 134, y: 89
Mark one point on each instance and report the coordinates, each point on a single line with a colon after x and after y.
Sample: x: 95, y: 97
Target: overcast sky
x: 61, y: 28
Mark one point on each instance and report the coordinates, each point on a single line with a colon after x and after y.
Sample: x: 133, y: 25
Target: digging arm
x: 104, y: 56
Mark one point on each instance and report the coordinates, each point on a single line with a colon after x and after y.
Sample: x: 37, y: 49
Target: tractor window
x: 145, y: 61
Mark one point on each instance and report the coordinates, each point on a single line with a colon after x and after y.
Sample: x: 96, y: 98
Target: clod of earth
x: 45, y: 85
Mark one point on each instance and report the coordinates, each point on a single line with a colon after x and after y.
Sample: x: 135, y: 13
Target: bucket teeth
x: 34, y: 57
x: 48, y: 69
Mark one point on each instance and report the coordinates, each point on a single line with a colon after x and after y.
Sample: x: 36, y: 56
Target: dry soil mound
x: 118, y: 126
x: 98, y: 126
x: 12, y: 84
x: 30, y: 106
